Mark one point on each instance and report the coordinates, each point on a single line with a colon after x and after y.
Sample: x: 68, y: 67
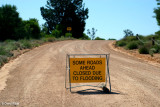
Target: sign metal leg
x: 69, y: 75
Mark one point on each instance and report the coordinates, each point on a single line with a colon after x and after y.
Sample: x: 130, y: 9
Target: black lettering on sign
x: 82, y: 73
x: 96, y: 72
x: 90, y: 77
x: 87, y: 68
x: 75, y: 78
x: 78, y: 62
x: 94, y: 62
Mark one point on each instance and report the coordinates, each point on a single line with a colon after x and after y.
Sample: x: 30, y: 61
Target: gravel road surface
x: 37, y: 79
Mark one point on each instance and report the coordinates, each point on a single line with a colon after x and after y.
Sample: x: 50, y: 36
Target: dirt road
x: 36, y: 79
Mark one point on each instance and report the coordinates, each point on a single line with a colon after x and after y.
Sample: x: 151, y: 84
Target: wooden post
x: 153, y: 39
x: 137, y: 36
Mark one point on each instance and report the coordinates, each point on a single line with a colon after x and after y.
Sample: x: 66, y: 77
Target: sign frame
x: 107, y: 74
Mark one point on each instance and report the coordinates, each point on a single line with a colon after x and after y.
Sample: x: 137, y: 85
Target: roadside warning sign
x: 69, y: 28
x: 84, y: 70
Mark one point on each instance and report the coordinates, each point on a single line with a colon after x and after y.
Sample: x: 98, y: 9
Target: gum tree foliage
x: 157, y: 15
x: 65, y: 13
x: 127, y: 33
x: 85, y: 37
x: 13, y: 27
x: 44, y: 29
x: 92, y: 33
x: 10, y: 23
x: 32, y: 28
x: 157, y: 12
x: 158, y: 2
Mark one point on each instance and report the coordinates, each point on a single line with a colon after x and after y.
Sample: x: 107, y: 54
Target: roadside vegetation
x: 98, y: 38
x: 17, y: 34
x: 145, y: 44
x: 8, y: 47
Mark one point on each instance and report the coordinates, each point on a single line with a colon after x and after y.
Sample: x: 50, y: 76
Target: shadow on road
x: 93, y: 91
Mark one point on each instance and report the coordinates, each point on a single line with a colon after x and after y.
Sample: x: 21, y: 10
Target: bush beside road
x: 133, y: 47
x: 10, y: 49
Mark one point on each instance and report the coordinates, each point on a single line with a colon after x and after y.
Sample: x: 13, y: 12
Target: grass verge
x: 143, y: 44
x: 8, y: 47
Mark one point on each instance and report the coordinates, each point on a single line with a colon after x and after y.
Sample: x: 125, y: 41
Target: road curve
x: 37, y: 79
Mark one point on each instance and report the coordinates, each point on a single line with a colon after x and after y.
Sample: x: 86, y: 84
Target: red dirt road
x: 36, y: 79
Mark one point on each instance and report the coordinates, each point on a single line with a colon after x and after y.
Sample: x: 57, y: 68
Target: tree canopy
x: 92, y: 33
x: 10, y: 22
x: 13, y: 27
x: 157, y: 12
x: 65, y: 13
x: 158, y: 2
x: 128, y: 32
x: 32, y: 28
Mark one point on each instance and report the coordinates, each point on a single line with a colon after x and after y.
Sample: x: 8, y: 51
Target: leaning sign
x: 84, y: 70
x: 87, y: 68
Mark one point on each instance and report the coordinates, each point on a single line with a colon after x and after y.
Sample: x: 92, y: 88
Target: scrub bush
x: 143, y: 50
x: 132, y: 45
x: 121, y: 43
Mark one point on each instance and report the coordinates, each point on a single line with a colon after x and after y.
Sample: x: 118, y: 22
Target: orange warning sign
x: 69, y: 28
x: 83, y: 70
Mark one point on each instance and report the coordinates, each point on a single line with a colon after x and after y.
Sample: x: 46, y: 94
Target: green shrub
x: 131, y: 38
x: 5, y: 52
x: 140, y: 43
x: 61, y: 38
x: 157, y: 48
x: 148, y: 45
x: 132, y: 45
x: 38, y: 42
x: 121, y: 43
x: 149, y: 37
x: 68, y: 35
x: 10, y: 46
x: 111, y: 39
x: 9, y: 41
x: 44, y: 39
x: 143, y: 50
x: 98, y: 38
x: 48, y: 36
x: 56, y: 33
x: 2, y: 51
x: 3, y: 59
x: 85, y: 37
x: 25, y: 44
x: 152, y: 51
x: 158, y: 41
x: 34, y: 44
x: 51, y: 39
